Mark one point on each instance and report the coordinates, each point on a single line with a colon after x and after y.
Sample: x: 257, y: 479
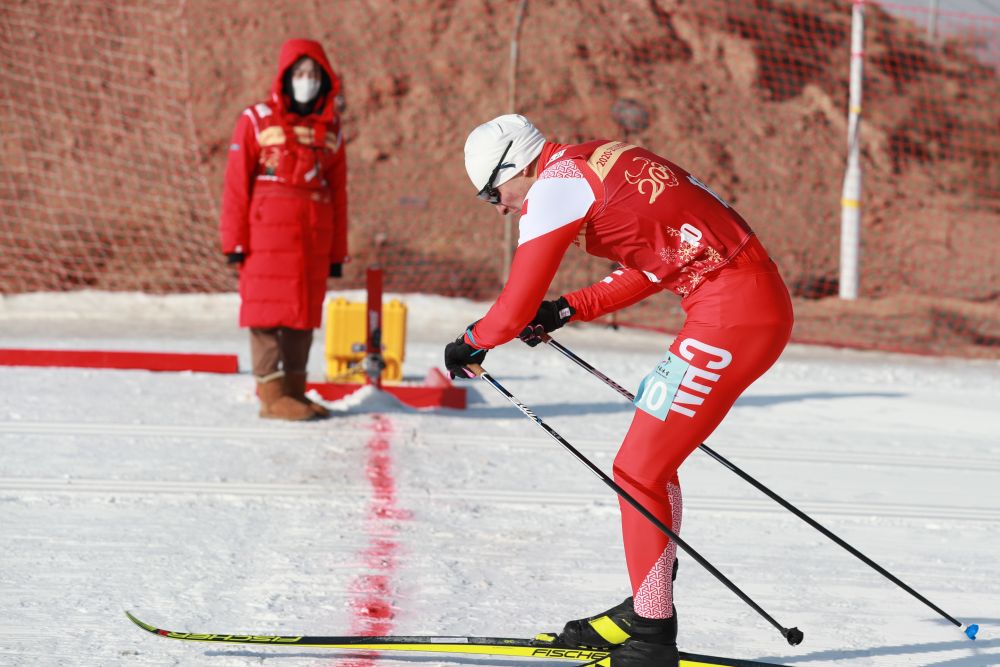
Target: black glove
x: 336, y: 270
x: 235, y: 257
x: 460, y: 354
x: 551, y: 315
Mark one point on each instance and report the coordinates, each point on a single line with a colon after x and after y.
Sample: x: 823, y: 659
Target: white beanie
x: 487, y: 142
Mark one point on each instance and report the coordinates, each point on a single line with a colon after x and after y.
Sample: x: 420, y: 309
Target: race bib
x: 657, y: 390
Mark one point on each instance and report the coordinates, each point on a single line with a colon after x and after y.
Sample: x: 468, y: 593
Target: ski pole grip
x: 475, y: 368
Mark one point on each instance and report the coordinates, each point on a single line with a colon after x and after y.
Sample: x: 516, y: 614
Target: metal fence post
x: 850, y: 202
x: 508, y: 223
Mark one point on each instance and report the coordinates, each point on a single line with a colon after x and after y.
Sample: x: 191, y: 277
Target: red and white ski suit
x: 284, y: 203
x: 668, y: 231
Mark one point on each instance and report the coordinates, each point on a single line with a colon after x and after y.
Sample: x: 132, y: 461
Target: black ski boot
x: 653, y: 644
x: 605, y: 630
x: 610, y: 628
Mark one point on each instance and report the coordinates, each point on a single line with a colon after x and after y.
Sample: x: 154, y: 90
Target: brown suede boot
x: 295, y: 387
x: 275, y: 404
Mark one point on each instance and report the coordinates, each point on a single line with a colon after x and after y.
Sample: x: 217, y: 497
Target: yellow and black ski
x: 542, y: 646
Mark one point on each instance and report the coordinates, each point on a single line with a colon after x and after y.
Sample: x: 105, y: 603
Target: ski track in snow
x: 164, y: 494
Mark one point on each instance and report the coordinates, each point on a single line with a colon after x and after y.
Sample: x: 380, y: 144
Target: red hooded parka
x: 284, y: 203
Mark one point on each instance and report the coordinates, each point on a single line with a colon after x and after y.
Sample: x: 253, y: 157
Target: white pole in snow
x: 850, y: 202
x: 508, y: 226
x: 932, y: 21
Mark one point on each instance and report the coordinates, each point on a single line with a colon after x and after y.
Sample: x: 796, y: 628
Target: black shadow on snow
x: 964, y: 645
x: 761, y: 401
x: 387, y: 656
x: 479, y: 410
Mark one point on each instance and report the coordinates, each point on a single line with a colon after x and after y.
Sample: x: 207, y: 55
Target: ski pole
x: 792, y: 635
x: 970, y: 630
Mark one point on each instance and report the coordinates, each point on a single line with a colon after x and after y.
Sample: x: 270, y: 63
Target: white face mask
x: 304, y: 89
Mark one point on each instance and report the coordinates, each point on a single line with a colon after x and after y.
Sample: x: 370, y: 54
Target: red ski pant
x: 738, y: 322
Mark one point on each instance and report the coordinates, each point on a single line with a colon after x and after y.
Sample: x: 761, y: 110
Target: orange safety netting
x: 116, y: 119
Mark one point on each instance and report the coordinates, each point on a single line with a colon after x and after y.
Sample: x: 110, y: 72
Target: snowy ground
x: 166, y: 495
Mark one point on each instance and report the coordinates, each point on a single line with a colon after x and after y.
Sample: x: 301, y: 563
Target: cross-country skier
x: 668, y: 231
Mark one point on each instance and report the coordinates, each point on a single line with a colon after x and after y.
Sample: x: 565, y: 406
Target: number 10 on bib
x: 657, y: 390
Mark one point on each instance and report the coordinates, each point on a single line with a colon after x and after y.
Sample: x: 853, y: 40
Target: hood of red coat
x: 291, y: 51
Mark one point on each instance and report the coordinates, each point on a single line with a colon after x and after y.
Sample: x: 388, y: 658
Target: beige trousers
x: 279, y: 349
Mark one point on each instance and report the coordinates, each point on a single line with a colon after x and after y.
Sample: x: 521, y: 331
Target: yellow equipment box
x: 346, y: 334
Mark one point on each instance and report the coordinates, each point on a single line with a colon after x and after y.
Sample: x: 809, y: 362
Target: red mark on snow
x: 372, y: 592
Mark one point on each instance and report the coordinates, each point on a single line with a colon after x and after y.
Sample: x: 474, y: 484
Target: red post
x: 373, y: 359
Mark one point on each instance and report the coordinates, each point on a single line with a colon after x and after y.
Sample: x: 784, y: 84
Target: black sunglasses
x: 489, y: 193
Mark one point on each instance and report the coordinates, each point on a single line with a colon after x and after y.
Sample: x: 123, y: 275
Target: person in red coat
x: 284, y: 221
